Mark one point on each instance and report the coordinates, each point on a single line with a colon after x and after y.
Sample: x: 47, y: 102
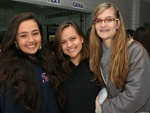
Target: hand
x: 97, y: 102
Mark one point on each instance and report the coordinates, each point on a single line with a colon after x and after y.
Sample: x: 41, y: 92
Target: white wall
x: 125, y: 7
x: 134, y: 12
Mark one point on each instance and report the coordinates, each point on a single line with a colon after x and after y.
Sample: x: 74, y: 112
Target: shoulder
x: 135, y: 49
x: 137, y: 54
x: 135, y: 46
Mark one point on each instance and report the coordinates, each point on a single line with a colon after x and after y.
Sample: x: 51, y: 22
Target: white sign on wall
x: 57, y: 2
x: 78, y: 5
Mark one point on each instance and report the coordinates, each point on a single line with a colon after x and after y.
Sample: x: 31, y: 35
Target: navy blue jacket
x: 7, y: 104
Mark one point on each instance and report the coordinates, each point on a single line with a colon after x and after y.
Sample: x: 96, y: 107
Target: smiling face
x: 107, y: 29
x: 71, y: 43
x: 28, y: 37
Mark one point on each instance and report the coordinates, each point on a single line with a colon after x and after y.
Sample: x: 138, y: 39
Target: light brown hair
x: 57, y: 49
x: 119, y: 63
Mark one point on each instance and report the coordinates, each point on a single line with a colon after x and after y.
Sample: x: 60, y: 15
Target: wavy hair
x: 16, y: 69
x: 57, y: 49
x: 119, y: 63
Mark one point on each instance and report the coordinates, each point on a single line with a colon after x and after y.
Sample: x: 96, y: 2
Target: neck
x: 32, y: 57
x: 76, y: 60
x: 107, y: 43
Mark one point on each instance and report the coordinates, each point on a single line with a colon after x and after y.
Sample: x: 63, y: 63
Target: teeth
x: 31, y: 46
x: 103, y: 30
x: 71, y: 50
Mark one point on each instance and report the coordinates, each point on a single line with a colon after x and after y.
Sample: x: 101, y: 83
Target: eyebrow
x: 68, y: 38
x: 72, y: 36
x: 27, y: 32
x: 107, y: 17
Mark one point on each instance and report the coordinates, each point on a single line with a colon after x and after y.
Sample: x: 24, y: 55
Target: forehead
x: 68, y: 32
x: 28, y: 25
x: 109, y: 12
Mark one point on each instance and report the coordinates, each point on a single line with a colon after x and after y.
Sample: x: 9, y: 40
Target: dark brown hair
x: 16, y: 69
x: 142, y: 35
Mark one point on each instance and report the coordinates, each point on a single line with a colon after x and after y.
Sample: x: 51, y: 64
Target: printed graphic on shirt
x: 45, y: 78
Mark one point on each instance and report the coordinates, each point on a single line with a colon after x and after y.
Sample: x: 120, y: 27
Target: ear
x: 118, y: 24
x: 82, y: 39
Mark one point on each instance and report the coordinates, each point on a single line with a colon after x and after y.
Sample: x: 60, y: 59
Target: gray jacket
x: 135, y: 96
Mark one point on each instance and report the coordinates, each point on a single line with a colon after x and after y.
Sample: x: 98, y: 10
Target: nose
x: 69, y: 44
x: 103, y: 24
x: 31, y: 39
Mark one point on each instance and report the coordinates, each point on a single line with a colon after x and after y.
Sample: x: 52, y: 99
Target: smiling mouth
x: 31, y: 46
x: 71, y: 50
x: 104, y: 30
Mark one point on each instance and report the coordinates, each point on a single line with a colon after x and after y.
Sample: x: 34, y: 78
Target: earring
x: 17, y: 47
x: 40, y: 47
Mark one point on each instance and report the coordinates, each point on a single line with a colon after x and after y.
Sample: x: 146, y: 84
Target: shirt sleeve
x: 98, y: 109
x: 8, y: 104
x: 137, y: 88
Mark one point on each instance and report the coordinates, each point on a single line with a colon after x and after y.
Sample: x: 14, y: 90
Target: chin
x: 104, y: 38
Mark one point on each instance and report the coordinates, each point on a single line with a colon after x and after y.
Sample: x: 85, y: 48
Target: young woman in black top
x: 72, y: 52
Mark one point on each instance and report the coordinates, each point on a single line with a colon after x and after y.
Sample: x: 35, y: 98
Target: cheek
x: 22, y: 45
x: 114, y: 29
x: 97, y: 30
x: 39, y: 39
x: 115, y: 26
x: 80, y: 45
x: 21, y: 42
x: 96, y: 27
x: 63, y: 48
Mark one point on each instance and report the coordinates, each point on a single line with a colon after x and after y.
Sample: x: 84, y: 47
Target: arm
x: 136, y: 91
x: 97, y: 104
x: 98, y: 107
x: 8, y: 104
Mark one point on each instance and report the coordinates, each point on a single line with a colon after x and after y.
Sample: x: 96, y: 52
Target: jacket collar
x: 106, y: 55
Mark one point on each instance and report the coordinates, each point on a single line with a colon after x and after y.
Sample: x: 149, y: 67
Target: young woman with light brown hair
x: 120, y: 64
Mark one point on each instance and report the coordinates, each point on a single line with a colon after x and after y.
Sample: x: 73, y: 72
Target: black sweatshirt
x: 80, y: 91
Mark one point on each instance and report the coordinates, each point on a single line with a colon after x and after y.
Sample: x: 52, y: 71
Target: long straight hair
x: 119, y: 63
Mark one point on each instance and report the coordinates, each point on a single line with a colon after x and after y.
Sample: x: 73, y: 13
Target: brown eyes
x: 70, y: 39
x: 24, y: 35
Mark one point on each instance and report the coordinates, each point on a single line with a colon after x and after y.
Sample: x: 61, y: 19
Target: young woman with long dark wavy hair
x: 30, y: 80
